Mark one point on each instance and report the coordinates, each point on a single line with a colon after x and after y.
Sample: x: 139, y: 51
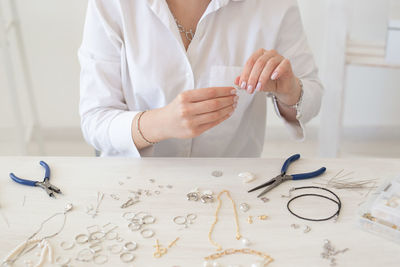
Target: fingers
x: 213, y: 104
x: 203, y: 94
x: 244, y: 77
x: 214, y: 116
x: 207, y: 126
x: 268, y: 62
x: 283, y: 69
x: 265, y: 81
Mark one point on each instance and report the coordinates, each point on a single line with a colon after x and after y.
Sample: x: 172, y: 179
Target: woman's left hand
x: 268, y: 71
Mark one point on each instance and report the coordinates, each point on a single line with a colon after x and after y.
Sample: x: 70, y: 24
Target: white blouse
x: 133, y: 59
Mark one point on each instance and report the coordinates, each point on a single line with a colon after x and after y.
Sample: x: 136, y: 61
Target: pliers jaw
x: 274, y: 182
x: 49, y: 188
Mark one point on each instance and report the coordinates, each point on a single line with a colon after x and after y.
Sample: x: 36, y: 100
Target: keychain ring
x: 127, y: 257
x: 147, y: 233
x: 130, y: 246
x: 67, y: 246
x: 81, y: 239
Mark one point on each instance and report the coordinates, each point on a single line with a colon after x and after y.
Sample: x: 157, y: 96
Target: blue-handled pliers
x: 274, y: 182
x: 45, y: 185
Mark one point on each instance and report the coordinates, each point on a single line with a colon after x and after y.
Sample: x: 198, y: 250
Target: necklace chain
x: 238, y: 235
x: 189, y: 34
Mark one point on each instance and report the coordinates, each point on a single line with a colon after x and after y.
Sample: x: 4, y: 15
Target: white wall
x: 52, y: 30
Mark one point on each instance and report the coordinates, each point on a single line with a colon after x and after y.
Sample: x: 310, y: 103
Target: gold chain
x: 231, y: 251
x: 238, y: 235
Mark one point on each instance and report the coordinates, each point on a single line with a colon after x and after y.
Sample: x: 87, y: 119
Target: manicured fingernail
x: 258, y: 87
x: 274, y: 76
x: 233, y: 92
x: 249, y: 89
x: 243, y: 85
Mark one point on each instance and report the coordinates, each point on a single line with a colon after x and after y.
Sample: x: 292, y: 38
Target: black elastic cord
x: 338, y: 202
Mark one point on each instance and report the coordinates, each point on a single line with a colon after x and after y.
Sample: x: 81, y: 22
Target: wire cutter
x: 45, y: 185
x: 274, y: 182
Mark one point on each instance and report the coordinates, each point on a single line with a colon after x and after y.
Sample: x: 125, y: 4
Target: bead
x: 216, y: 264
x: 258, y: 264
x: 244, y: 207
x: 207, y: 264
x: 248, y: 177
x: 217, y: 173
x: 246, y: 242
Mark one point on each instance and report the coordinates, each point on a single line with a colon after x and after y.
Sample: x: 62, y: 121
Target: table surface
x: 80, y: 179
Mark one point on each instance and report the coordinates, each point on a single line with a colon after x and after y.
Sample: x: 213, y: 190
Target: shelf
x: 369, y: 55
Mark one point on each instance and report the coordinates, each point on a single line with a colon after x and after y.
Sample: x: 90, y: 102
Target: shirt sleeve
x: 106, y: 120
x: 292, y: 44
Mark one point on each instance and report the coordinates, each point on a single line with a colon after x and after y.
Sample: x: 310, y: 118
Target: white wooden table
x: 81, y: 178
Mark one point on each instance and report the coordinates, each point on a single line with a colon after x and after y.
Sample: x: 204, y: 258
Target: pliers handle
x: 300, y: 176
x: 29, y: 182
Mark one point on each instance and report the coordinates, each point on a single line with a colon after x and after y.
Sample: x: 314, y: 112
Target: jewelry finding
x: 129, y: 203
x: 128, y: 215
x: 67, y: 246
x: 173, y: 242
x: 250, y: 219
x: 246, y: 242
x: 115, y: 197
x: 192, y: 196
x: 265, y: 199
x: 97, y: 235
x: 95, y: 248
x: 152, y: 180
x: 207, y: 198
x: 111, y: 235
x: 100, y: 259
x: 127, y: 257
x: 247, y: 177
x: 85, y: 255
x: 294, y: 226
x: 134, y: 227
x: 157, y: 192
x: 115, y: 248
x: 81, y: 239
x: 93, y: 228
x: 130, y: 246
x: 244, y: 207
x: 159, y: 250
x: 262, y: 217
x: 147, y: 233
x: 307, y: 229
x: 62, y: 261
x: 180, y: 220
x: 217, y: 173
x: 148, y: 219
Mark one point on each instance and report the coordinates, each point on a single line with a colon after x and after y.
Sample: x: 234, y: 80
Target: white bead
x: 247, y: 177
x: 207, y: 264
x: 216, y: 264
x: 256, y: 264
x: 246, y: 242
x: 208, y: 192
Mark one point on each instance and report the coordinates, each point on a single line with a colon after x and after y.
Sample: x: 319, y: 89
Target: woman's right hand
x: 193, y: 112
x: 189, y: 115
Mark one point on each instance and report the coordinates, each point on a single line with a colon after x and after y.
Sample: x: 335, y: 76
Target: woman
x: 157, y: 76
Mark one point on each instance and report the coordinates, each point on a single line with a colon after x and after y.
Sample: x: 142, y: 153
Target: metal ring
x: 62, y: 261
x: 95, y: 248
x: 130, y: 246
x: 120, y: 239
x: 81, y: 239
x: 191, y: 217
x: 148, y: 219
x: 207, y: 198
x: 127, y: 215
x: 147, y: 233
x: 111, y: 235
x: 85, y: 257
x: 134, y: 227
x: 67, y: 246
x: 127, y: 257
x: 141, y: 214
x: 100, y: 259
x: 97, y: 228
x: 97, y: 235
x: 115, y: 248
x: 180, y: 220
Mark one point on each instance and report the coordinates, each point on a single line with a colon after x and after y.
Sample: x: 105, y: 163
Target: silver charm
x: 193, y: 196
x: 217, y: 173
x: 207, y: 198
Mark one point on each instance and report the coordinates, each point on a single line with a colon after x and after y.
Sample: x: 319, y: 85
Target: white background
x: 52, y: 32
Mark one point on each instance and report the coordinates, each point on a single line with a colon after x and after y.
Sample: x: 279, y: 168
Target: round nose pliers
x: 274, y: 182
x: 45, y: 185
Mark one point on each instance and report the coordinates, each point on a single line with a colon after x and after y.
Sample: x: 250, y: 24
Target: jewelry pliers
x: 45, y: 185
x: 274, y: 182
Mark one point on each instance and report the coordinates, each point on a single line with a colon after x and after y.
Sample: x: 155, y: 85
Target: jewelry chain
x: 232, y: 251
x: 238, y: 235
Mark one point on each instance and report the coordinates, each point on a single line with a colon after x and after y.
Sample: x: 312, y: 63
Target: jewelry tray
x: 380, y: 215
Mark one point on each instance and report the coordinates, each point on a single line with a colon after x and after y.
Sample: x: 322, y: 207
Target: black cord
x: 338, y: 202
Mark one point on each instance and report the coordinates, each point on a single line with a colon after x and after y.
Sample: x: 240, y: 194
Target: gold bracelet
x: 140, y: 132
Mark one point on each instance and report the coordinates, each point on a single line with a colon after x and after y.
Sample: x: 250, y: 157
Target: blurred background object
x: 360, y: 115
